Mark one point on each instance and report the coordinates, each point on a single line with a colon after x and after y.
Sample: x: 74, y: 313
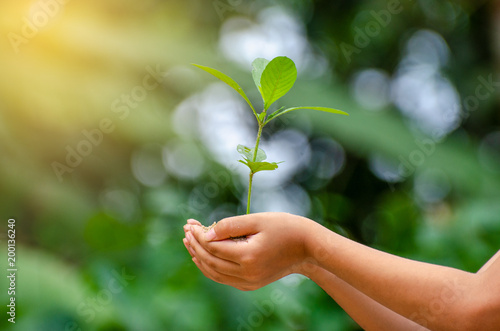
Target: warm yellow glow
x: 65, y: 63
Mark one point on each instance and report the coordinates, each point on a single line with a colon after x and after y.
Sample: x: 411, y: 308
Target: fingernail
x: 210, y: 235
x: 189, y: 237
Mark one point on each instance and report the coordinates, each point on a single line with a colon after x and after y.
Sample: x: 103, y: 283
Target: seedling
x: 273, y: 79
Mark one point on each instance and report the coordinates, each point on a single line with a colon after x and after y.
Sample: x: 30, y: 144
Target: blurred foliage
x: 99, y: 243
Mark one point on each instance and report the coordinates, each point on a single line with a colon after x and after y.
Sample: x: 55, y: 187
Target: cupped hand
x: 272, y: 247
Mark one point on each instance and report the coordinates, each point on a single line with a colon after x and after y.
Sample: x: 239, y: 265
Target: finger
x: 190, y: 223
x: 214, y: 262
x: 193, y: 222
x: 230, y: 250
x: 236, y: 282
x: 219, y: 277
x: 189, y: 238
x: 231, y: 227
x: 188, y: 248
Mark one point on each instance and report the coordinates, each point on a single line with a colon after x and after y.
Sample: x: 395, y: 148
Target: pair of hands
x: 274, y: 247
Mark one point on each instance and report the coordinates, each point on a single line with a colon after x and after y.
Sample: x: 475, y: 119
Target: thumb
x: 237, y: 226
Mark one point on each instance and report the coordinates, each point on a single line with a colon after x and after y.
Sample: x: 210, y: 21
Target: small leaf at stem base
x: 260, y: 166
x: 247, y: 153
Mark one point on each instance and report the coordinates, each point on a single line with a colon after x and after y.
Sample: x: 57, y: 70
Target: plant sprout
x: 273, y: 79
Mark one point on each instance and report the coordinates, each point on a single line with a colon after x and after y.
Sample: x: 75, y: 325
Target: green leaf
x: 325, y: 109
x: 248, y: 152
x: 258, y: 66
x: 229, y: 81
x: 262, y: 116
x: 260, y: 166
x: 277, y: 79
x: 274, y: 114
x: 245, y: 151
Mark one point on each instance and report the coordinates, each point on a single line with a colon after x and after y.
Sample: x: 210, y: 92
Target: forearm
x: 368, y: 313
x: 434, y: 296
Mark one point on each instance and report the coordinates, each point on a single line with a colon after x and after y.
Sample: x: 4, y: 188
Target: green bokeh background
x: 99, y: 246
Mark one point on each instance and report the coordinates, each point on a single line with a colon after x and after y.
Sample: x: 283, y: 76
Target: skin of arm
x: 368, y: 313
x: 437, y: 297
x: 278, y: 244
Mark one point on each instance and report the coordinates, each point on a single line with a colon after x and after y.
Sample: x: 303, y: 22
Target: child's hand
x: 273, y: 248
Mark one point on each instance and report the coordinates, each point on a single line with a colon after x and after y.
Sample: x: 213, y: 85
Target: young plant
x: 273, y: 79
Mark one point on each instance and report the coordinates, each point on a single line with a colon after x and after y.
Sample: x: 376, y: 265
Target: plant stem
x: 249, y: 192
x: 250, y: 180
x: 259, y: 133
